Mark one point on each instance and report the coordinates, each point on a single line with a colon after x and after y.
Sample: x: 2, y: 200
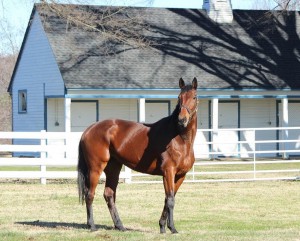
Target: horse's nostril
x: 182, y: 121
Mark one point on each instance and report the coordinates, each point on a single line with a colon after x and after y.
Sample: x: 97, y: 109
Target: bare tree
x: 7, y: 64
x: 277, y: 4
x: 287, y: 4
x: 8, y: 34
x: 275, y: 10
x: 8, y: 54
x: 115, y: 24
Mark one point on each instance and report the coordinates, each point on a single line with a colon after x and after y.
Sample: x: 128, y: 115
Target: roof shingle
x: 248, y: 53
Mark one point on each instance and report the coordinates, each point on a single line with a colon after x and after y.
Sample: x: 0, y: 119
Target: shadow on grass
x: 44, y: 224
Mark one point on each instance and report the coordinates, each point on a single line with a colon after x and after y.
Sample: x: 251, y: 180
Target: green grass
x: 209, y: 211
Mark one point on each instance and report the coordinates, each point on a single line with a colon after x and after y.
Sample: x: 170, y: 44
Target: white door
x: 83, y: 114
x: 155, y: 110
x: 227, y: 140
x: 294, y: 121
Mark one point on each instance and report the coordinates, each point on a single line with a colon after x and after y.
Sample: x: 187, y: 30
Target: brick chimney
x: 219, y: 11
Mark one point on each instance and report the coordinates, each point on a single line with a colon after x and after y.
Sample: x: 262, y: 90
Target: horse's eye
x: 195, y: 97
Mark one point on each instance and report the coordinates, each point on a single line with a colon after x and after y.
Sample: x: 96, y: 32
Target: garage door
x: 155, y: 110
x: 83, y: 114
x: 227, y: 141
x: 294, y: 121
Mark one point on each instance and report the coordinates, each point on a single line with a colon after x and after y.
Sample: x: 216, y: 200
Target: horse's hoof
x: 120, y: 228
x: 92, y: 228
x: 162, y: 230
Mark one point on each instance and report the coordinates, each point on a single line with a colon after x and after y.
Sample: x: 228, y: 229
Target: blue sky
x: 17, y: 12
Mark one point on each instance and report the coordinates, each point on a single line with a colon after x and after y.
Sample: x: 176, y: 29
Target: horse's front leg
x: 163, y: 218
x: 171, y: 187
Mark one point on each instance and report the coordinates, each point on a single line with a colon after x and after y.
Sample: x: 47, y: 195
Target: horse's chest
x: 185, y: 165
x: 182, y: 159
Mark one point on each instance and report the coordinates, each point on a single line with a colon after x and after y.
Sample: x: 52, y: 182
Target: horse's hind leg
x: 93, y: 181
x: 112, y: 172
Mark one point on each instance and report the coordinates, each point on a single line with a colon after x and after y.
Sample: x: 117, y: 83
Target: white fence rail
x: 246, y: 154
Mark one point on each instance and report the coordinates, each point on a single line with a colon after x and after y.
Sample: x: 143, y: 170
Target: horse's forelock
x: 187, y: 88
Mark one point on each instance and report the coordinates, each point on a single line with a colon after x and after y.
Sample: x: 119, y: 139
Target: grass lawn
x: 207, y: 211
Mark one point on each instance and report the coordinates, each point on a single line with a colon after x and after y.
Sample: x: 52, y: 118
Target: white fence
x: 222, y: 155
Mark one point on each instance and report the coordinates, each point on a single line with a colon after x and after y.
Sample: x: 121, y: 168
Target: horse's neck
x: 189, y: 133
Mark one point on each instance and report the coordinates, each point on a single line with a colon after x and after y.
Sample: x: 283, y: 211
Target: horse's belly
x: 143, y: 166
x: 153, y: 168
x: 138, y: 157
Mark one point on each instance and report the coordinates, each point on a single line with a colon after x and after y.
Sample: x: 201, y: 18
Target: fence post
x: 68, y: 146
x: 194, y: 172
x: 215, y: 125
x: 43, y: 156
x: 128, y: 177
x: 254, y: 155
x: 285, y: 123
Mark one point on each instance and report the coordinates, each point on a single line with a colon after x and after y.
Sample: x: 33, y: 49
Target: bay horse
x: 163, y: 148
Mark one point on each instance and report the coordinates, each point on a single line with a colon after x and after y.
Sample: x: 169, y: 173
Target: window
x: 22, y: 101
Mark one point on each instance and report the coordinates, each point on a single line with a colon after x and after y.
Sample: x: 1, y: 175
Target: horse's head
x: 187, y: 102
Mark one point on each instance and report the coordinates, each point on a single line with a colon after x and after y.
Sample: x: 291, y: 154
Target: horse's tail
x: 82, y: 179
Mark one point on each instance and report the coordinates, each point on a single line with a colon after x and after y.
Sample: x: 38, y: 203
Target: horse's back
x: 111, y: 131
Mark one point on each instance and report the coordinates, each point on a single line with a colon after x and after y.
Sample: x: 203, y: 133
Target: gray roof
x: 248, y: 53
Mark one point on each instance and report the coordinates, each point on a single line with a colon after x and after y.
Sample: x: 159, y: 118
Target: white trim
x: 215, y: 113
x: 142, y: 110
x: 173, y: 93
x: 215, y: 121
x: 67, y: 114
x: 285, y: 123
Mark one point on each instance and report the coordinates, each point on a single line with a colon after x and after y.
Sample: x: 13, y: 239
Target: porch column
x: 67, y: 114
x: 215, y: 123
x: 142, y: 110
x: 285, y: 123
x: 68, y: 125
x: 215, y: 114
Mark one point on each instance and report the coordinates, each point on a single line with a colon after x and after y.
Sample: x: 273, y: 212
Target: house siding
x: 37, y: 73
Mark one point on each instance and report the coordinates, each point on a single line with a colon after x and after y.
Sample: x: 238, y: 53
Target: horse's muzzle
x: 183, y: 122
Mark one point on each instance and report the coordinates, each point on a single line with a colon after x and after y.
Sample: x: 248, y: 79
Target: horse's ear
x: 195, y: 83
x: 181, y: 83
